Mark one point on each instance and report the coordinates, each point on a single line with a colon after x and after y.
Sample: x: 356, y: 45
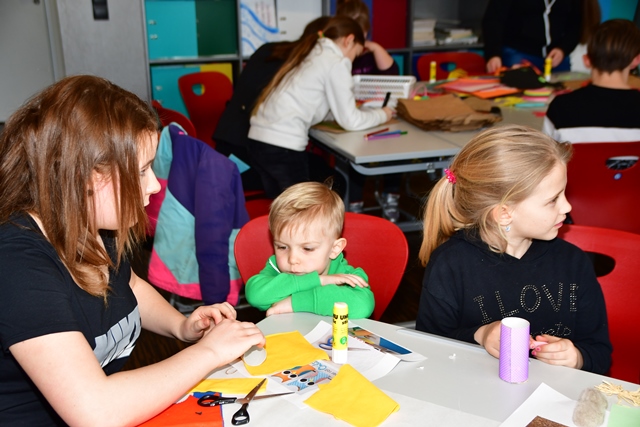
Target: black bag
x: 522, y: 78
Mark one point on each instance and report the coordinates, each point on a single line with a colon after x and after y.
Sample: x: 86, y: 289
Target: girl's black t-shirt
x: 38, y: 296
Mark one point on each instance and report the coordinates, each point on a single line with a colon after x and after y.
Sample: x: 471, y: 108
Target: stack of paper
x: 424, y: 32
x: 480, y: 87
x: 455, y: 36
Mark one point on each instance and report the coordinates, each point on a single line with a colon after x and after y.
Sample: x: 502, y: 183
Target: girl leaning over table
x: 75, y: 175
x: 491, y: 251
x: 314, y: 80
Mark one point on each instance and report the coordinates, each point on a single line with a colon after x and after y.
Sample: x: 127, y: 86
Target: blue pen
x: 393, y: 132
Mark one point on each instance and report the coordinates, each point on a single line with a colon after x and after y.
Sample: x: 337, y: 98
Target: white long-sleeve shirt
x: 322, y: 83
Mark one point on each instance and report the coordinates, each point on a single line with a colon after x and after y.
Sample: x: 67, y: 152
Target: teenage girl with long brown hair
x: 75, y: 175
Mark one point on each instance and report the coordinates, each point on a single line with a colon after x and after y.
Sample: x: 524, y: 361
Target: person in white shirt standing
x: 315, y: 80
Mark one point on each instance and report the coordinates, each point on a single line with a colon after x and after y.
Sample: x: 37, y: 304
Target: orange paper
x: 482, y: 88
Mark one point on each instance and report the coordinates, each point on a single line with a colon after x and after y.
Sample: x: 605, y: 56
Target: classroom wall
x: 45, y: 40
x: 30, y: 50
x: 612, y: 9
x: 114, y: 49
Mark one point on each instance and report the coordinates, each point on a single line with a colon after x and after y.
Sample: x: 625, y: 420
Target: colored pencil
x: 376, y: 132
x: 393, y: 132
x: 390, y: 135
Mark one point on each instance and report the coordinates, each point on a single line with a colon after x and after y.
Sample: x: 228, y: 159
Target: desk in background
x: 460, y: 390
x: 418, y: 150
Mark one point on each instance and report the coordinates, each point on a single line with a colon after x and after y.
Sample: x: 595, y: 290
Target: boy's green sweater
x: 307, y: 294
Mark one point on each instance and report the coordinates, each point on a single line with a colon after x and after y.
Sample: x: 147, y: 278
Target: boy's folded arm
x: 269, y: 286
x: 320, y: 300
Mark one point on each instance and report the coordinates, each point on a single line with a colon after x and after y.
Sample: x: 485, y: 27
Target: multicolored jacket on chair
x: 199, y: 211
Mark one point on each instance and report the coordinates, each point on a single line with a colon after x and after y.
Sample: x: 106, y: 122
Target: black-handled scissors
x: 242, y: 415
x: 216, y: 400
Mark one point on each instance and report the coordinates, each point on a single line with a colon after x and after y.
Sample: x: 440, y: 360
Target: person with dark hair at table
x: 531, y: 30
x: 606, y: 110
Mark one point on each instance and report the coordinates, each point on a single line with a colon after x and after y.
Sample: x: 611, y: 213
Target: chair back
x: 167, y: 116
x: 374, y: 244
x: 603, y: 197
x: 205, y: 94
x: 621, y: 292
x: 446, y: 62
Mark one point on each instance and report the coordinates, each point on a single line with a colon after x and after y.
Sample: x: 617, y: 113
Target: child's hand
x: 229, y: 339
x: 389, y: 112
x: 372, y: 46
x: 494, y: 64
x: 488, y: 336
x: 204, y: 318
x: 280, y: 307
x: 558, y: 351
x: 556, y: 55
x: 343, y: 279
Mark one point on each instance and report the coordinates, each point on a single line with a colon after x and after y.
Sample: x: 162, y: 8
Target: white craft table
x: 418, y: 150
x: 443, y: 390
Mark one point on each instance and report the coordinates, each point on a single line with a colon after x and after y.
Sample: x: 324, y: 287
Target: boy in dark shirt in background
x: 606, y: 110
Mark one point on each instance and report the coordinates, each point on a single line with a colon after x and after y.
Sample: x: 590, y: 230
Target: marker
x: 386, y: 99
x: 547, y: 69
x: 383, y: 136
x: 376, y: 132
x: 393, y: 132
x: 340, y: 342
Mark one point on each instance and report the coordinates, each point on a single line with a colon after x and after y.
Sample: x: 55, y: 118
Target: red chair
x: 620, y: 288
x: 167, y: 116
x: 376, y: 245
x: 205, y: 95
x: 257, y: 207
x: 470, y: 62
x: 603, y: 197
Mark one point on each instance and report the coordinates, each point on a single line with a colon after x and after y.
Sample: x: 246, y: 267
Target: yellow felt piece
x: 352, y: 398
x: 239, y: 386
x: 538, y: 92
x: 508, y: 101
x: 286, y: 350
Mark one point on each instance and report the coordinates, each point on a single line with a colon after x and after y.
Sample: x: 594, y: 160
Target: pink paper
x: 514, y: 350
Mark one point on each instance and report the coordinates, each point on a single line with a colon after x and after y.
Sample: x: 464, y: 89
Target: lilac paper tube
x: 514, y: 350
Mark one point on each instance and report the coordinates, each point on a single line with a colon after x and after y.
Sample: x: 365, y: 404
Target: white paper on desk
x: 547, y: 403
x: 384, y: 345
x: 369, y: 362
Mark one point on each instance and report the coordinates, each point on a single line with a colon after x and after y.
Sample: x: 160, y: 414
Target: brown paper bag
x: 448, y: 113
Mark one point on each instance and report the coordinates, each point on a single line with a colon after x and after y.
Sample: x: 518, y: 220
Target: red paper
x: 187, y: 414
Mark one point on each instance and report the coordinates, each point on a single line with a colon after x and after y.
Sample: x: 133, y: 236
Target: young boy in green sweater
x: 308, y: 272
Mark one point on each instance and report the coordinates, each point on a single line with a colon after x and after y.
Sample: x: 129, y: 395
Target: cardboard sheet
x: 446, y: 112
